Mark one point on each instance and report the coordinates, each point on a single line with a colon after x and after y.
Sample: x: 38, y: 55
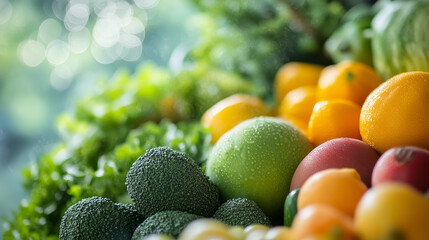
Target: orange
x: 333, y: 119
x: 348, y: 80
x: 227, y: 113
x: 299, y: 103
x: 321, y: 220
x: 392, y: 211
x: 293, y: 75
x: 397, y: 113
x: 339, y: 188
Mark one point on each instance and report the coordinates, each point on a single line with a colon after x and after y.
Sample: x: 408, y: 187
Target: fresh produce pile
x: 366, y: 178
x: 243, y: 147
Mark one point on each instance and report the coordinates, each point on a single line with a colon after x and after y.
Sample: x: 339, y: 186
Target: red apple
x: 407, y: 164
x: 337, y: 153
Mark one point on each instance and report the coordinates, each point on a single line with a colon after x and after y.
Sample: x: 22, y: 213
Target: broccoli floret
x: 99, y: 218
x: 170, y: 223
x: 163, y: 179
x: 242, y: 212
x: 130, y: 213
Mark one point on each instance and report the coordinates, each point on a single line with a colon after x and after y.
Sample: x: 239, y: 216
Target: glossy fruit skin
x: 293, y: 75
x: 205, y: 228
x: 347, y: 80
x: 291, y: 207
x: 392, y: 209
x: 299, y: 103
x: 339, y: 188
x: 278, y: 233
x: 320, y: 220
x: 229, y: 112
x: 337, y: 153
x: 397, y: 113
x: 333, y: 119
x: 256, y: 160
x: 407, y: 164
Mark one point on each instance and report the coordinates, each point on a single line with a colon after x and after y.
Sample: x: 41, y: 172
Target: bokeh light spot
x: 49, y: 30
x: 6, y: 10
x: 124, y: 10
x: 61, y: 78
x: 79, y: 41
x: 143, y: 16
x: 57, y: 52
x: 146, y: 3
x: 134, y: 26
x: 59, y: 8
x: 106, y: 32
x: 76, y: 17
x: 102, y: 54
x: 85, y: 2
x: 106, y: 9
x: 131, y: 47
x: 31, y: 53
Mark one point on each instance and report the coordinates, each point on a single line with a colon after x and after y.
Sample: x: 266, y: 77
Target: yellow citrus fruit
x: 299, y: 103
x: 339, y: 188
x: 334, y: 119
x: 320, y: 219
x: 293, y: 75
x: 392, y: 211
x: 347, y: 80
x: 227, y: 113
x: 397, y: 113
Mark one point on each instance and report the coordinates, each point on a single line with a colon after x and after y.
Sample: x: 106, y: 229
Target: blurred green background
x: 54, y: 51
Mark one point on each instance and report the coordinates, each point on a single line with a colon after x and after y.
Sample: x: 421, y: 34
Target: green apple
x: 256, y: 160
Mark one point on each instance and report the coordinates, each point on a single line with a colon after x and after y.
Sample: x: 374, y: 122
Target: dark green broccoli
x: 129, y: 212
x: 163, y: 179
x: 170, y: 223
x: 99, y: 219
x: 242, y: 212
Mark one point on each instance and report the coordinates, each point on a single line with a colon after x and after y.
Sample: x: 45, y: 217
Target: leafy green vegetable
x: 352, y: 40
x: 60, y: 181
x: 400, y: 41
x: 254, y: 38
